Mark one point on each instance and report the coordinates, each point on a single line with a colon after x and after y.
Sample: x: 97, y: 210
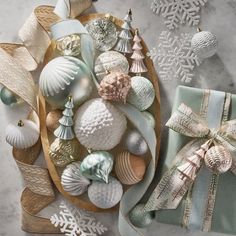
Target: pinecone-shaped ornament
x: 115, y: 87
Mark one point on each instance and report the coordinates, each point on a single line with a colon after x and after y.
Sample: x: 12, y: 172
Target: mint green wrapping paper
x: 224, y: 216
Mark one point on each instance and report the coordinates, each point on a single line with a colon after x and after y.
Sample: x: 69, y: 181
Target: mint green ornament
x: 140, y: 218
x: 8, y: 97
x: 97, y: 166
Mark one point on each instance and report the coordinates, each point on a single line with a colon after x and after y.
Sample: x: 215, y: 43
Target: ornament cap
x: 20, y: 123
x: 199, y: 29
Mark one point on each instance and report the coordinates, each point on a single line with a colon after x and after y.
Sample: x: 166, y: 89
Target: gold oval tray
x: 82, y: 201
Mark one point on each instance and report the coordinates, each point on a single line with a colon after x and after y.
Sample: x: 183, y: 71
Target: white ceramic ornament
x: 142, y: 93
x: 99, y: 125
x: 64, y: 76
x: 73, y: 181
x: 23, y: 135
x: 105, y: 195
x: 110, y: 61
x: 204, y: 44
x: 135, y: 143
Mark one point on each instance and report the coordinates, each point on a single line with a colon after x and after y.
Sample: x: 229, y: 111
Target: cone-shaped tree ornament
x: 65, y: 131
x: 138, y: 65
x: 125, y: 36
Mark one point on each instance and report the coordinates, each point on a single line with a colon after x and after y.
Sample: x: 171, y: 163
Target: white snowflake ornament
x: 178, y: 12
x: 174, y: 57
x: 75, y: 222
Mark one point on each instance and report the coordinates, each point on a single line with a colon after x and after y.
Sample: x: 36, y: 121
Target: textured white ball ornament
x: 23, y: 135
x: 142, y: 93
x: 99, y: 125
x: 105, y: 195
x: 204, y: 44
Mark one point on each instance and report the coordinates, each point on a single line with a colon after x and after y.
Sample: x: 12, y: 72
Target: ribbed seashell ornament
x: 99, y: 125
x: 63, y: 152
x: 59, y: 78
x: 141, y: 218
x: 142, y: 93
x: 105, y: 195
x: 72, y: 180
x: 97, y: 166
x: 135, y: 143
x: 129, y: 169
x: 218, y: 159
x: 204, y: 44
x: 23, y: 135
x: 110, y: 61
x: 115, y: 87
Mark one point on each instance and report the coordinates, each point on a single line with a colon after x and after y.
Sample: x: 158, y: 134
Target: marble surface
x: 217, y: 72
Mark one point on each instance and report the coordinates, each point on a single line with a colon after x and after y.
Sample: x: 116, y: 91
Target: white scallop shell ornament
x: 23, y: 135
x: 111, y: 61
x: 218, y: 159
x: 204, y: 44
x: 72, y: 180
x: 62, y: 77
x: 99, y: 125
x: 142, y: 93
x: 105, y: 195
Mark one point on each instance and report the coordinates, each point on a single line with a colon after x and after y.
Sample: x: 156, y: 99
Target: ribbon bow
x: 214, y: 147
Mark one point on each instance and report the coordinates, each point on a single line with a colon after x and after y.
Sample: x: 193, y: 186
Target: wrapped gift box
x: 224, y: 212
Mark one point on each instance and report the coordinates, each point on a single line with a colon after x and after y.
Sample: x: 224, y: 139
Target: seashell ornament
x: 97, y: 166
x: 110, y: 61
x: 115, y: 87
x: 63, y: 76
x: 105, y: 195
x: 63, y: 152
x: 52, y: 120
x: 99, y: 125
x: 129, y: 169
x: 142, y: 93
x: 23, y: 135
x: 141, y: 218
x: 204, y: 44
x: 72, y: 180
x: 135, y: 143
x: 218, y: 159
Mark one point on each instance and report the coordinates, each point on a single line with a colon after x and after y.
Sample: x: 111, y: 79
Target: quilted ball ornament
x: 97, y: 166
x: 105, y: 195
x: 140, y: 218
x: 99, y: 125
x: 110, y: 61
x: 129, y: 169
x: 218, y: 159
x: 72, y: 180
x: 23, y: 135
x: 8, y: 97
x: 52, y: 120
x: 115, y: 87
x: 204, y: 44
x: 142, y: 93
x: 135, y: 143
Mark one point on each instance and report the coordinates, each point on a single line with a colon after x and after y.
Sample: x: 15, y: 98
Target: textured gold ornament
x: 115, y: 87
x: 69, y: 45
x: 63, y: 152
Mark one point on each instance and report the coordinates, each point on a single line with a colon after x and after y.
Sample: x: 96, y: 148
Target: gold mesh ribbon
x: 16, y: 60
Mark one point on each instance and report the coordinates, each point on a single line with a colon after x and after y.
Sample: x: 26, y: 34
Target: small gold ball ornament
x: 52, y: 120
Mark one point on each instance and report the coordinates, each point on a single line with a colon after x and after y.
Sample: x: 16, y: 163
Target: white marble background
x: 217, y: 72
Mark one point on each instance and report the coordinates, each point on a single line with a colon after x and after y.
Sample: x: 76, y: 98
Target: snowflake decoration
x: 174, y: 57
x: 178, y: 11
x: 73, y: 222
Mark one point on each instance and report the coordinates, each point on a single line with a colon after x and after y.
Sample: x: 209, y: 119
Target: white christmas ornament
x: 23, y: 135
x: 142, y: 93
x: 73, y: 222
x: 204, y: 44
x: 73, y: 181
x: 99, y: 125
x: 174, y: 57
x: 111, y: 61
x: 178, y: 11
x: 105, y: 195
